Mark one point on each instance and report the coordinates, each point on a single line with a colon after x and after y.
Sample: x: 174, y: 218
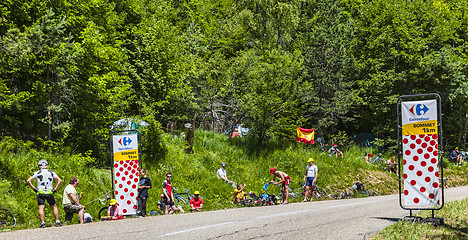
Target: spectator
x: 222, y: 175
x: 162, y: 206
x: 168, y: 196
x: 456, y: 156
x: 239, y: 193
x: 285, y: 180
x: 235, y: 133
x: 196, y: 203
x: 87, y: 218
x: 334, y: 150
x: 143, y: 186
x: 392, y: 165
x: 114, y: 212
x: 311, y: 174
x: 71, y: 201
x: 368, y: 157
x: 45, y: 190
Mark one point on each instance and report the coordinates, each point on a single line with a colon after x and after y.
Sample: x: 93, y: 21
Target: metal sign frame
x: 428, y: 96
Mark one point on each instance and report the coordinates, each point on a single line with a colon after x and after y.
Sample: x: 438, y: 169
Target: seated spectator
x: 391, y: 164
x: 368, y: 157
x: 196, y: 203
x: 235, y: 133
x: 456, y: 156
x: 334, y: 151
x: 239, y: 193
x: 114, y: 211
x: 162, y: 207
x: 221, y: 173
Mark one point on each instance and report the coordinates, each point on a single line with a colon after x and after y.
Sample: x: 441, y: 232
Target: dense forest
x: 70, y: 68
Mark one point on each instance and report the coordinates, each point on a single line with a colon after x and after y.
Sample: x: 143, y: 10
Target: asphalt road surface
x: 338, y: 219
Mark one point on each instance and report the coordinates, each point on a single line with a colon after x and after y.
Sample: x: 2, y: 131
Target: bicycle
x: 7, y: 219
x: 318, y: 192
x: 103, y: 211
x: 359, y: 189
x: 267, y: 198
x: 178, y: 198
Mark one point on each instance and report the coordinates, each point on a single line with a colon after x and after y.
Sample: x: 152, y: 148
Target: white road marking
x: 195, y: 229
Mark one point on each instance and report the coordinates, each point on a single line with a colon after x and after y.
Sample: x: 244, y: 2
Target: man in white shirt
x: 222, y: 174
x: 311, y: 174
x: 71, y: 201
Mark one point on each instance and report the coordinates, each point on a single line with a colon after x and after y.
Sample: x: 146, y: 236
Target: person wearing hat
x: 196, y: 203
x: 368, y: 157
x: 310, y: 175
x: 71, y: 201
x: 456, y: 156
x: 45, y: 190
x: 114, y: 211
x: 222, y: 175
x: 334, y: 151
x: 285, y: 180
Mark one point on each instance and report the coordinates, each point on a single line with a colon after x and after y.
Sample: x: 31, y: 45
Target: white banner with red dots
x: 420, y: 154
x: 126, y: 172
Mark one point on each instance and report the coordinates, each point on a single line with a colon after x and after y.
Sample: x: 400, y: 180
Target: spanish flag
x: 305, y: 135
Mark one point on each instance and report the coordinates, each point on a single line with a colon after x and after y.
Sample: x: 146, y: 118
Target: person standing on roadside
x: 168, y: 195
x: 285, y: 180
x: 45, y: 191
x: 71, y: 201
x: 222, y: 175
x: 310, y: 175
x: 143, y: 186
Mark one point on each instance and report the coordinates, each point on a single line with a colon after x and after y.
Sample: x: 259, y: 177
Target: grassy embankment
x: 246, y: 163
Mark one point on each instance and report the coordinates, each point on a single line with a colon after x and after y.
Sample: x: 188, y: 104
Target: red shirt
x: 196, y: 203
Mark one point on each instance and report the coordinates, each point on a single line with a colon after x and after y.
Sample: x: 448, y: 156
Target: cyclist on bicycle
x: 285, y: 180
x: 45, y: 191
x: 311, y: 174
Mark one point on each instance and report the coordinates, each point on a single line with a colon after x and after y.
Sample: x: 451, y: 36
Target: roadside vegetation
x: 246, y: 163
x: 455, y: 215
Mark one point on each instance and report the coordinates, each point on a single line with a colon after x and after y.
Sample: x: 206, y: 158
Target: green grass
x: 455, y: 215
x: 246, y: 163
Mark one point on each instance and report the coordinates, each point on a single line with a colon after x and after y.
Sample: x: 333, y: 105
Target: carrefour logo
x: 125, y: 141
x: 419, y: 109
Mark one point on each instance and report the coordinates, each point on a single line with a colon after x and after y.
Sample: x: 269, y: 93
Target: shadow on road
x: 389, y: 219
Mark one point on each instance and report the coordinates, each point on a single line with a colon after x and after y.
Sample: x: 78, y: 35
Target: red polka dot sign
x: 420, y: 154
x: 126, y: 172
x: 421, y: 170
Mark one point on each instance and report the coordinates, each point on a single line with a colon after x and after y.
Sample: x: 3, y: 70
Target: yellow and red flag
x: 305, y: 135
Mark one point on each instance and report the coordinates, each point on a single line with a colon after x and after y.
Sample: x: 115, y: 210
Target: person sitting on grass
x: 334, y: 151
x: 196, y: 203
x: 391, y: 164
x: 114, y: 212
x: 239, y: 193
x: 368, y: 157
x: 162, y: 207
x: 456, y: 156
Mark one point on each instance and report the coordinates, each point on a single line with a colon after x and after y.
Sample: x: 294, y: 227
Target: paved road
x: 339, y: 219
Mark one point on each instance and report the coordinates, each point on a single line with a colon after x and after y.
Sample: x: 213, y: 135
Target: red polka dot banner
x: 126, y: 172
x: 420, y: 155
